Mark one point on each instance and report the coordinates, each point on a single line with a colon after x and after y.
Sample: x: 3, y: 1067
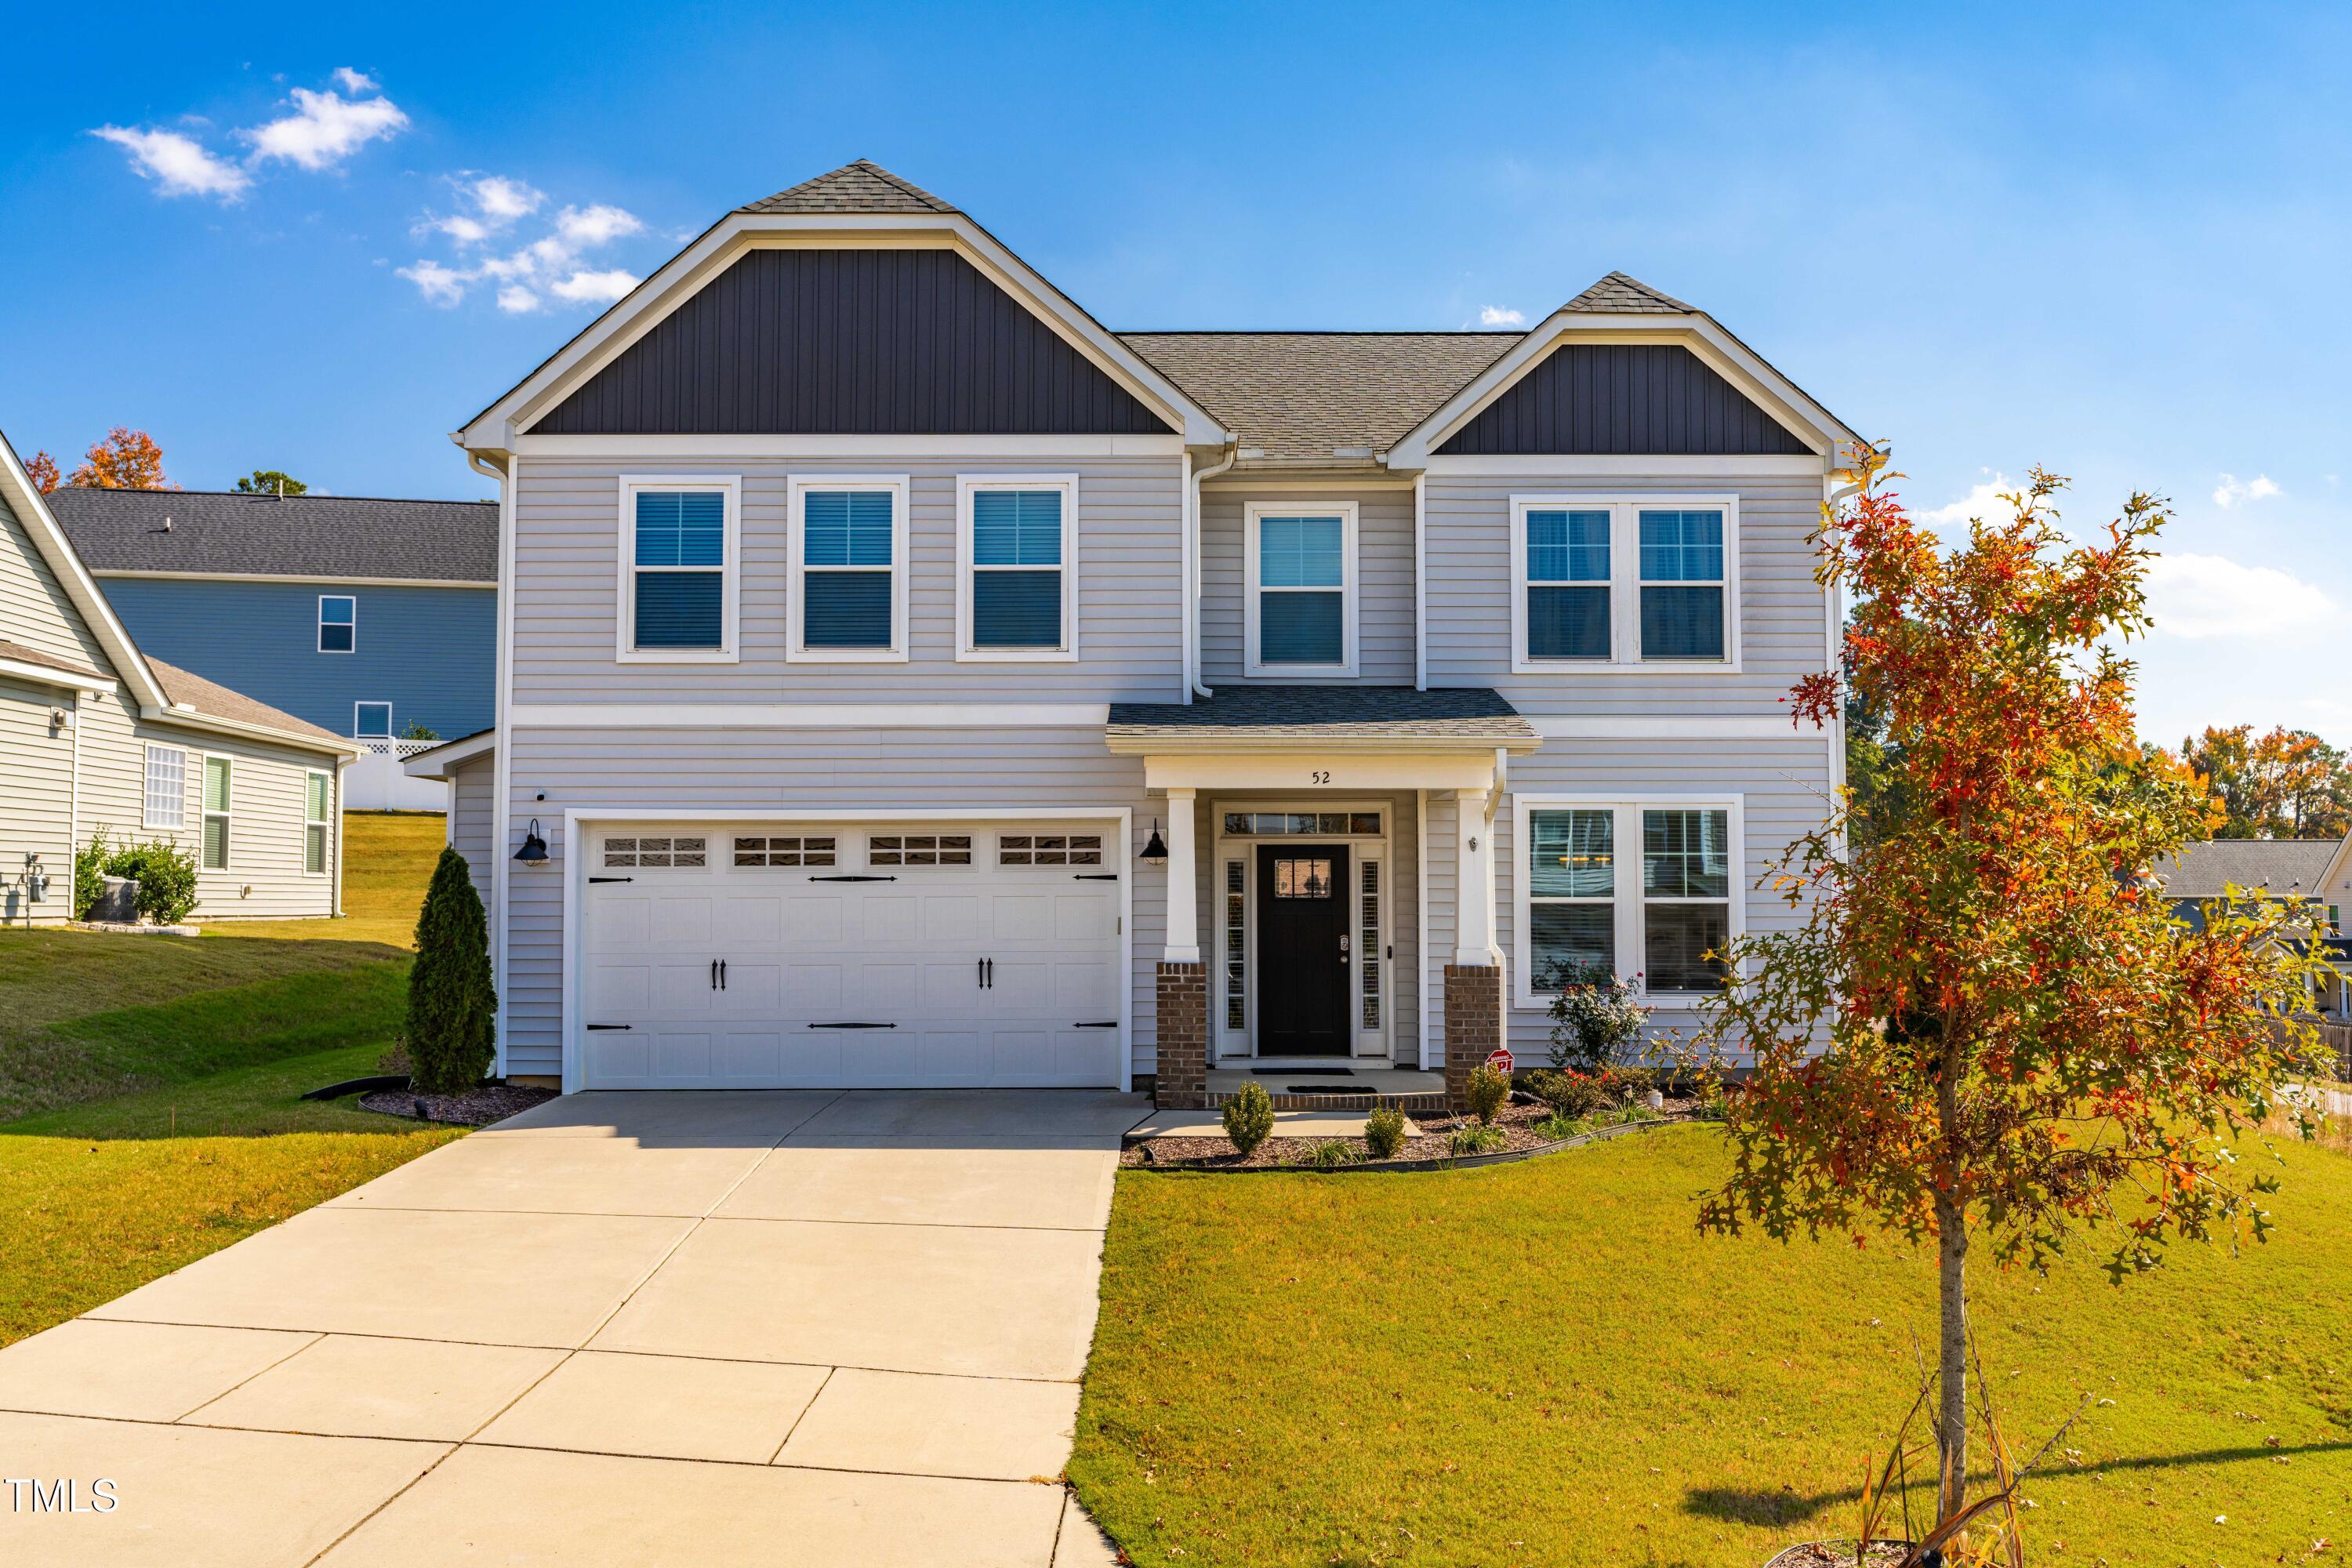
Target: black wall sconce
x: 1155, y: 848
x: 534, y: 848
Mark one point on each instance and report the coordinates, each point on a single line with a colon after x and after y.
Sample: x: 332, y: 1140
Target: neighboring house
x: 2314, y: 870
x: 905, y: 680
x: 364, y: 616
x: 94, y: 735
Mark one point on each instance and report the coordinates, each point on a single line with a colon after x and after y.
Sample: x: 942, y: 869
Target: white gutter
x: 503, y: 761
x: 1193, y: 687
x: 192, y: 718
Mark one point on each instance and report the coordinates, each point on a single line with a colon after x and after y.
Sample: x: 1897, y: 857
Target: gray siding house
x: 911, y: 682
x: 96, y: 735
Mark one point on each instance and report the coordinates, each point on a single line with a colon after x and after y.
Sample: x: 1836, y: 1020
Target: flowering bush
x: 1593, y: 1018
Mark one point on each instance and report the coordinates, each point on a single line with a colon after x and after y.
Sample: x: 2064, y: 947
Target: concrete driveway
x: 781, y: 1328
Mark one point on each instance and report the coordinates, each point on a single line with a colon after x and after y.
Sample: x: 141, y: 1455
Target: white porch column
x: 1474, y: 854
x: 1183, y: 878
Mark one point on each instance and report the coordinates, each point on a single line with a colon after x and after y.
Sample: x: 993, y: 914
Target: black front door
x: 1302, y: 950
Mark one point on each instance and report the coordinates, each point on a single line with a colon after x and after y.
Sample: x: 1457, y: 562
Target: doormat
x: 1302, y: 1072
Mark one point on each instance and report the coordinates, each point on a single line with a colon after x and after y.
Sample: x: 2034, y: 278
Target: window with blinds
x: 1017, y: 591
x: 1301, y: 573
x: 1682, y: 584
x: 1617, y: 580
x: 849, y: 544
x: 1368, y: 964
x: 1236, y: 925
x: 1568, y: 584
x: 678, y: 559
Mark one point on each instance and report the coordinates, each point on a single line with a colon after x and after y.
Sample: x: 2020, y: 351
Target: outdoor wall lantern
x: 534, y: 848
x: 1155, y: 848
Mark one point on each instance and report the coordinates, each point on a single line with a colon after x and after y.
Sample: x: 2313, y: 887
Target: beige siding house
x: 95, y: 738
x: 905, y: 680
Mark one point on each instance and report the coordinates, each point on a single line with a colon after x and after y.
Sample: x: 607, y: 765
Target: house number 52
x: 1319, y: 776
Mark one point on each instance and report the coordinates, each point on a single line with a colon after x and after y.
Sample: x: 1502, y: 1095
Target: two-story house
x: 363, y: 615
x: 904, y: 679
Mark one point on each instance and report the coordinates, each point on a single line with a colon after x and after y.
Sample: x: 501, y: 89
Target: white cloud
x: 503, y: 200
x: 2231, y: 489
x: 515, y: 299
x: 439, y: 284
x: 325, y: 128
x: 589, y: 227
x: 1501, y: 316
x: 601, y: 287
x: 179, y: 165
x: 354, y: 82
x: 1982, y: 501
x: 463, y: 229
x: 2214, y: 597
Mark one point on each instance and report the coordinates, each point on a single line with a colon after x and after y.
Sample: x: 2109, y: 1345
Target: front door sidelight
x: 1302, y: 950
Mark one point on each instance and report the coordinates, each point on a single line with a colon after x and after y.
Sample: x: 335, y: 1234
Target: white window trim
x: 795, y: 597
x: 147, y: 821
x: 1253, y: 665
x: 353, y: 601
x: 326, y: 841
x: 204, y: 813
x: 388, y: 717
x: 1624, y: 583
x: 1628, y: 890
x: 967, y: 487
x: 730, y: 592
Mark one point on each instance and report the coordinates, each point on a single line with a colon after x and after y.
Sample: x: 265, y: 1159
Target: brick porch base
x: 1474, y: 1023
x: 1182, y: 1000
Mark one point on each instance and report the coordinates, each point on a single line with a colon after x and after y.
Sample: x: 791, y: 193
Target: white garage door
x: 776, y: 955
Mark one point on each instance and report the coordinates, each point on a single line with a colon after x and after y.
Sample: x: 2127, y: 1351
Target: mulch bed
x: 1836, y: 1554
x: 1516, y: 1121
x: 475, y: 1107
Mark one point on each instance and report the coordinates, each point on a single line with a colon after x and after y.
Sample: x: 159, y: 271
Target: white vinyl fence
x: 377, y: 781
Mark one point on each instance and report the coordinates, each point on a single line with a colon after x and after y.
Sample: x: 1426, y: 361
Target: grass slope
x: 387, y: 861
x: 1543, y: 1364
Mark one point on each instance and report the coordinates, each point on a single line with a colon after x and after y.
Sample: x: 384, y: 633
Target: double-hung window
x: 217, y: 814
x: 317, y: 792
x: 680, y: 546
x: 1299, y: 609
x: 339, y: 623
x: 1624, y: 582
x: 1016, y: 537
x: 1643, y: 889
x: 165, y: 802
x: 848, y: 595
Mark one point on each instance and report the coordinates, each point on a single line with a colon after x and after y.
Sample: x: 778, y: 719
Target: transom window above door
x: 1623, y: 583
x: 848, y: 597
x: 1301, y: 824
x: 1300, y: 604
x: 1015, y: 595
x: 680, y: 583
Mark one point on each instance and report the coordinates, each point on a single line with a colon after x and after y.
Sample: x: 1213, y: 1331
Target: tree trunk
x: 1952, y: 1359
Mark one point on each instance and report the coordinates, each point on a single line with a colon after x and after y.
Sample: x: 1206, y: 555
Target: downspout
x: 1193, y: 687
x: 1420, y: 581
x: 504, y: 757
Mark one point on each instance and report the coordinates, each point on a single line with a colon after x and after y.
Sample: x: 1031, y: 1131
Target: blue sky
x: 2112, y: 247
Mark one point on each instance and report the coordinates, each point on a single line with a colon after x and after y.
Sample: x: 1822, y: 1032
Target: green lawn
x: 1543, y: 1364
x: 157, y: 1082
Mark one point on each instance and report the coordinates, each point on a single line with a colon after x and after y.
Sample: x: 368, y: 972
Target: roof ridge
x: 1314, y: 332
x: 912, y: 189
x: 827, y: 183
x: 1609, y: 294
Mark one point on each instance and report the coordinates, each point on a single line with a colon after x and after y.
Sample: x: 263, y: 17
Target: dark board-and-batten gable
x: 1624, y: 398
x: 809, y: 342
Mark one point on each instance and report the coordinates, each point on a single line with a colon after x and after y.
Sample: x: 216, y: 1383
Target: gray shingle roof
x: 858, y: 187
x: 216, y: 701
x: 1619, y: 295
x: 23, y: 655
x: 1358, y: 715
x: 299, y: 536
x: 1303, y: 395
x: 2278, y: 865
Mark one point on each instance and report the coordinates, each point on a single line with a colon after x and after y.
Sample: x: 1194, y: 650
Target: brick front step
x: 1432, y: 1104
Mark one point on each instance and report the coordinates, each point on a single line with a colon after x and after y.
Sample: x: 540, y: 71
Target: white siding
x: 33, y: 609
x: 35, y: 803
x: 1128, y: 544
x: 1383, y: 580
x: 1783, y: 630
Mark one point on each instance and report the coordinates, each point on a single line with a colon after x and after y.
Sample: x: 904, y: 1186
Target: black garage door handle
x: 1106, y: 1023
x: 612, y: 1026
x: 853, y: 1025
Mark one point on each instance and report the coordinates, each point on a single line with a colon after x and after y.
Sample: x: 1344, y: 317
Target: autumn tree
x: 125, y: 460
x: 42, y: 469
x: 1982, y: 1024
x: 2287, y: 783
x: 270, y: 482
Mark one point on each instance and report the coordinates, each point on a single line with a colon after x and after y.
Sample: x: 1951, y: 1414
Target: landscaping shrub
x: 1571, y: 1094
x: 166, y: 874
x: 1593, y: 1018
x: 451, y: 1034
x: 89, y: 875
x: 1332, y: 1154
x: 1476, y: 1139
x: 1384, y: 1131
x: 1557, y: 1126
x: 1628, y: 1084
x: 1490, y: 1087
x: 1249, y: 1118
